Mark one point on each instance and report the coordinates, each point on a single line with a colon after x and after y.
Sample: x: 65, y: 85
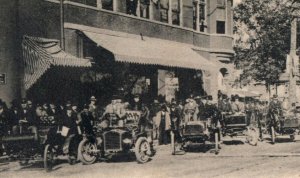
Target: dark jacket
x: 70, y: 122
x: 225, y: 106
x: 4, y: 122
x: 211, y: 111
x: 175, y: 117
x: 87, y: 122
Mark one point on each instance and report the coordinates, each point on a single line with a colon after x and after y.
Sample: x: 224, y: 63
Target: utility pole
x: 62, y: 30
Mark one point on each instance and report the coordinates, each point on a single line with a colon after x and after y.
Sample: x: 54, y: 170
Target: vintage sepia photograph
x: 149, y: 88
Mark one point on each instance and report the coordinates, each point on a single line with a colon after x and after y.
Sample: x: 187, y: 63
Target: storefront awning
x: 40, y: 53
x: 150, y: 51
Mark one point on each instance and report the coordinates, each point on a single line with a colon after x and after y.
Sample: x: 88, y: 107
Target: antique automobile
x: 203, y: 132
x: 26, y: 145
x: 237, y: 126
x: 283, y: 125
x: 119, y: 136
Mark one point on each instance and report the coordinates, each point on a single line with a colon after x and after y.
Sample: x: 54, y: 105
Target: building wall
x: 8, y: 50
x: 41, y: 18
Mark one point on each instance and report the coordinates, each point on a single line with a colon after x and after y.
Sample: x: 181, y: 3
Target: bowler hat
x: 93, y: 98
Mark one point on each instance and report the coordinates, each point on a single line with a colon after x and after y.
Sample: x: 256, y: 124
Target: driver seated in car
x: 115, y: 107
x: 190, y: 110
x: 237, y: 106
x: 294, y: 111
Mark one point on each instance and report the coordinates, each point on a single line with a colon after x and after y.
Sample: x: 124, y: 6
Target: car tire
x: 48, y: 158
x: 141, y: 150
x: 84, y: 152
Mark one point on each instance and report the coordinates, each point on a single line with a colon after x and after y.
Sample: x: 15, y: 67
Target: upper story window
x: 175, y: 12
x: 107, y: 4
x: 86, y: 2
x: 221, y: 3
x: 221, y: 27
x: 144, y: 8
x: 199, y: 15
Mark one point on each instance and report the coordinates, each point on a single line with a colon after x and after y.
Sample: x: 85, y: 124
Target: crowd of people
x: 157, y: 118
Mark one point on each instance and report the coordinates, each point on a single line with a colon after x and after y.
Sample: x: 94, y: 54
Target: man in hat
x: 53, y: 112
x: 175, y: 117
x: 275, y: 106
x: 153, y: 110
x: 136, y: 104
x: 93, y: 106
x: 4, y: 120
x: 210, y: 109
x: 72, y: 130
x: 224, y: 105
x: 163, y: 123
x: 87, y: 120
x: 144, y: 121
x: 27, y: 120
x: 116, y: 107
x: 237, y: 106
x: 190, y: 110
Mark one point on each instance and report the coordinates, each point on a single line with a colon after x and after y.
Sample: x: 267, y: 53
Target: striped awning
x: 39, y: 54
x: 151, y: 51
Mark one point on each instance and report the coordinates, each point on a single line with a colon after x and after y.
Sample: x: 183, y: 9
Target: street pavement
x: 234, y: 160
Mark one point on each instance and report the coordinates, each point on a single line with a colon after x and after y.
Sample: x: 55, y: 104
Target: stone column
x: 197, y: 15
x: 181, y: 13
x: 151, y: 15
x: 99, y: 4
x: 170, y: 12
x: 138, y: 8
x: 115, y: 5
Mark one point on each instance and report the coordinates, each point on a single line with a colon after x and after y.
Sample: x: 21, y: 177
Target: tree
x: 262, y: 29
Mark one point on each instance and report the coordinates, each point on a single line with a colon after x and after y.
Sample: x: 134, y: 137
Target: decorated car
x: 120, y: 135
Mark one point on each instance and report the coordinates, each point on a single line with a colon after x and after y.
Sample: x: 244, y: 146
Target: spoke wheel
x: 87, y: 152
x: 142, y: 150
x: 48, y: 158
